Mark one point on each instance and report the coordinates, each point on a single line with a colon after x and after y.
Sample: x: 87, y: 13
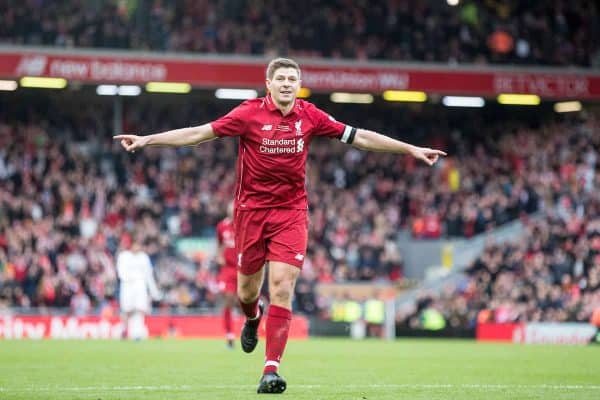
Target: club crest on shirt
x: 298, y: 126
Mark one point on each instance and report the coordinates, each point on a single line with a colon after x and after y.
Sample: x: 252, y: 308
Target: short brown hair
x: 281, y: 63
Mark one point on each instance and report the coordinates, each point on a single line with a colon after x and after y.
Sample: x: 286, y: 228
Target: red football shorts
x: 275, y: 234
x: 227, y: 279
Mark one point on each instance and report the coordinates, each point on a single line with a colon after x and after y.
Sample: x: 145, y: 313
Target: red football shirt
x: 225, y: 238
x: 273, y: 148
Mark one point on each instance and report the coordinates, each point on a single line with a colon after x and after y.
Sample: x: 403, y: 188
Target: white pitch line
x: 479, y: 386
x: 94, y: 388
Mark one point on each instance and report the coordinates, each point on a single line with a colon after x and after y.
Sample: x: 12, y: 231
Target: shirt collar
x: 272, y: 107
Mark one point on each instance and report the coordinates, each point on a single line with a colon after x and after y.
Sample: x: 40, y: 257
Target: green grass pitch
x: 314, y: 369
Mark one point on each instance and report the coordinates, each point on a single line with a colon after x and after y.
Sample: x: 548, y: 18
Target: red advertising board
x: 212, y: 72
x: 537, y: 333
x: 497, y: 332
x: 39, y: 327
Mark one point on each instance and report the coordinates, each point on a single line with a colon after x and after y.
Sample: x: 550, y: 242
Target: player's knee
x: 281, y: 295
x: 246, y: 296
x: 281, y: 291
x: 247, y: 293
x: 229, y: 300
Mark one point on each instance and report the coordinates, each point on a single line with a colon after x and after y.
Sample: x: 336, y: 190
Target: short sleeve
x: 234, y: 122
x: 326, y: 125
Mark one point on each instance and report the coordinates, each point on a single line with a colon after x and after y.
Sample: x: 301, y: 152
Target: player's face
x: 284, y: 86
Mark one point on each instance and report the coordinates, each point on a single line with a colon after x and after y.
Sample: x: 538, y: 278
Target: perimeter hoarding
x: 93, y: 327
x: 318, y: 75
x: 538, y: 333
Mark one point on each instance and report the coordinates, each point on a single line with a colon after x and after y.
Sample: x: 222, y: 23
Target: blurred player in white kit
x: 137, y: 288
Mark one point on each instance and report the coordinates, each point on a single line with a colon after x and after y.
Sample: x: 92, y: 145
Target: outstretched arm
x: 373, y: 141
x: 179, y: 137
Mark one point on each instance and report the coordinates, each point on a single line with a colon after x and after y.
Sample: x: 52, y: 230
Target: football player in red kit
x: 271, y: 207
x: 226, y: 259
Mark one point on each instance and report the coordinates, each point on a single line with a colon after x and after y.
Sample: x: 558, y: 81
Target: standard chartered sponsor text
x: 272, y: 146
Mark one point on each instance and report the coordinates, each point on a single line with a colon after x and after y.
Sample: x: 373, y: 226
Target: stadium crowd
x: 491, y: 31
x: 552, y: 273
x: 69, y: 198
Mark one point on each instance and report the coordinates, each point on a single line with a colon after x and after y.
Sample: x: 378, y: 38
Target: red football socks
x: 250, y: 310
x: 227, y: 322
x: 278, y: 327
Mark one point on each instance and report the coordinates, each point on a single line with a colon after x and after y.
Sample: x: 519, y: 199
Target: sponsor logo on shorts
x: 239, y: 260
x: 299, y: 257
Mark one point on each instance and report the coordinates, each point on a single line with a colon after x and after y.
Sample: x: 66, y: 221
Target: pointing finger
x: 130, y: 137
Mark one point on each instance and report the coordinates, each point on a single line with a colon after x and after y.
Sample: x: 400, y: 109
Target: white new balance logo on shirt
x: 267, y: 127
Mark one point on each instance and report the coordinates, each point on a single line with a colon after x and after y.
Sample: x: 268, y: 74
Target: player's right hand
x: 131, y: 142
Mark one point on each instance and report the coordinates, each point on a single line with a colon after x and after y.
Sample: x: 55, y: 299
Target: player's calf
x: 249, y: 336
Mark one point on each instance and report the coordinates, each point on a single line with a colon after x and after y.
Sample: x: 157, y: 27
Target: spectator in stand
x: 499, y: 32
x: 61, y: 219
x: 80, y: 303
x: 551, y: 274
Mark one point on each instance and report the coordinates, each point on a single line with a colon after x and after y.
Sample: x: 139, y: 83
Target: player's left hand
x: 427, y: 155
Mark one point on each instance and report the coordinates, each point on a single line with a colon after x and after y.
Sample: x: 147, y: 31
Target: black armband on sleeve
x: 348, y: 135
